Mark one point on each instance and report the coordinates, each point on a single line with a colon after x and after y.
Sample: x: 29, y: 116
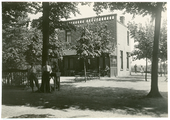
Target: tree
x: 143, y: 36
x: 154, y: 92
x: 163, y: 46
x: 15, y: 31
x: 142, y: 8
x: 94, y: 41
x: 13, y: 10
x: 53, y: 12
x: 14, y: 42
x: 33, y: 53
x: 45, y: 31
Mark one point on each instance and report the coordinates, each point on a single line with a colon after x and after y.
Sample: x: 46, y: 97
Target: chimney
x: 122, y: 19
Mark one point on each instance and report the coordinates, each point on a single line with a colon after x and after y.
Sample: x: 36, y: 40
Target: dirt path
x: 119, y: 97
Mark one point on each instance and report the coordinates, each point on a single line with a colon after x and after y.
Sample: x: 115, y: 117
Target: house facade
x: 118, y: 62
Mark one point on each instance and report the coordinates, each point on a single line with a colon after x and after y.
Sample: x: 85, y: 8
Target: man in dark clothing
x: 32, y: 77
x: 56, y: 78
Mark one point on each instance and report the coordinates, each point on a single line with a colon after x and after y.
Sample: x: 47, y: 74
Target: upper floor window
x: 121, y: 57
x: 128, y: 38
x: 68, y: 37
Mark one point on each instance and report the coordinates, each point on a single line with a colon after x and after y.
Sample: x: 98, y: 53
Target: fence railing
x: 16, y: 77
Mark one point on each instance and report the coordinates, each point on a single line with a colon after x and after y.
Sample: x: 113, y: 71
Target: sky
x: 87, y: 11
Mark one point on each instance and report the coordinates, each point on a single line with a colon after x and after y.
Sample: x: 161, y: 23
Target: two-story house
x: 118, y: 62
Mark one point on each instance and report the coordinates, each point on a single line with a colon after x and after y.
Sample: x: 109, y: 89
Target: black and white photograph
x: 84, y: 59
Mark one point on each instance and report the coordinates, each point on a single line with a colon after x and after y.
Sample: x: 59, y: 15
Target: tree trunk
x: 45, y: 29
x: 85, y: 70
x: 98, y: 66
x: 146, y: 69
x: 57, y: 63
x: 154, y: 92
x: 164, y: 67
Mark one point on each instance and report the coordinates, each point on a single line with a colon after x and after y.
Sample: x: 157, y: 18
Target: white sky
x: 87, y: 11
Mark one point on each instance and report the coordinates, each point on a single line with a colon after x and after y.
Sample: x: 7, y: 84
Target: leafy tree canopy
x: 143, y: 37
x: 12, y: 10
x: 33, y: 53
x: 94, y: 41
x: 14, y: 41
x: 135, y: 8
x: 58, y: 12
x: 19, y: 44
x: 163, y: 42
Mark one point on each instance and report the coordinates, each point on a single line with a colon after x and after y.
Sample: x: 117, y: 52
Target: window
x: 121, y: 57
x: 127, y: 55
x: 128, y: 38
x: 69, y: 36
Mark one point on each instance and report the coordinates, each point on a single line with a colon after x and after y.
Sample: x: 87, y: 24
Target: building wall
x: 122, y: 46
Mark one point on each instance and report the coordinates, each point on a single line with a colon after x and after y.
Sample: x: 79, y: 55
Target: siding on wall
x: 122, y: 46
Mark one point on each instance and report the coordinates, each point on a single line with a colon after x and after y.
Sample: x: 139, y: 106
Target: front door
x: 113, y: 66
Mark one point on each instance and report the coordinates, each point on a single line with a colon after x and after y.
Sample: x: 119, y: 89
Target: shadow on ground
x: 34, y: 116
x: 92, y: 98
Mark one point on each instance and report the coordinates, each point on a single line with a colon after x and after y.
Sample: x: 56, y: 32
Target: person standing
x: 107, y: 70
x: 142, y: 70
x: 32, y: 77
x: 135, y: 68
x: 55, y: 69
x: 46, y: 71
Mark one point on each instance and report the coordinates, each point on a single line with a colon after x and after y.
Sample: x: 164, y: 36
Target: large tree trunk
x: 154, y: 92
x: 45, y: 29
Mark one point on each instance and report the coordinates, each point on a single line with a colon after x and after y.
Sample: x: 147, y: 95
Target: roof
x: 99, y: 18
x: 92, y: 19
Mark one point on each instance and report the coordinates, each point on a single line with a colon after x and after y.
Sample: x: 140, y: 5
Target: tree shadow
x: 92, y: 98
x: 34, y: 116
x: 124, y: 80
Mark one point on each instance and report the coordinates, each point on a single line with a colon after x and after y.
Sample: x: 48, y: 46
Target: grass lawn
x: 117, y: 97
